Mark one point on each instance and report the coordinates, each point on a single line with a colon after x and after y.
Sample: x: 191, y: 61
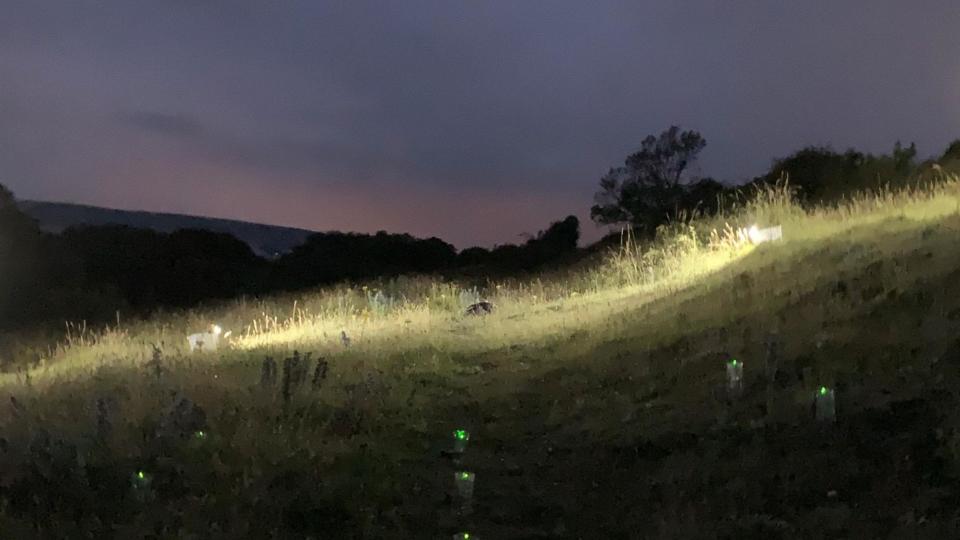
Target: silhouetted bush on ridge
x: 331, y: 257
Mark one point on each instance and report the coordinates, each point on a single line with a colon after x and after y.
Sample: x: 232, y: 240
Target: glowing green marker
x: 140, y: 485
x: 200, y: 435
x: 734, y: 377
x: 826, y: 405
x: 460, y: 439
x: 464, y: 482
x: 140, y: 479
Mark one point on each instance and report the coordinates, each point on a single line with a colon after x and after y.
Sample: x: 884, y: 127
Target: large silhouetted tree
x: 335, y: 256
x: 648, y: 187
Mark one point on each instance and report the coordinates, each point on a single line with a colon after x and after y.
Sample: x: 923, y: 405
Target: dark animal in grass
x: 480, y: 308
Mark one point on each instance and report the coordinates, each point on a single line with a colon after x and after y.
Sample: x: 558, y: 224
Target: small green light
x: 733, y: 362
x: 464, y: 476
x: 141, y: 475
x: 823, y: 390
x: 200, y: 435
x: 461, y: 435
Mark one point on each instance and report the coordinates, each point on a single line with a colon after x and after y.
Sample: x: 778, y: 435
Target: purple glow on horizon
x: 474, y: 123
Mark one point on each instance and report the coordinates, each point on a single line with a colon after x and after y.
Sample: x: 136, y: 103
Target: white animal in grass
x: 207, y: 341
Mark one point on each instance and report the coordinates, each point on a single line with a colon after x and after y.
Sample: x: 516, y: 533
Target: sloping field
x: 597, y: 405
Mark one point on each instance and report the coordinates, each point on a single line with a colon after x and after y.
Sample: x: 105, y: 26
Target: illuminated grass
x: 429, y: 314
x: 611, y: 354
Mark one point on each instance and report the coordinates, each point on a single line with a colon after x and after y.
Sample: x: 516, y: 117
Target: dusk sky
x: 472, y: 121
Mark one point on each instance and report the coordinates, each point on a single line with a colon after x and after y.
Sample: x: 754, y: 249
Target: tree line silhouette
x: 90, y: 273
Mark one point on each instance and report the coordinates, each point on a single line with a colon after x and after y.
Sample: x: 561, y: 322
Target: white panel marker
x: 757, y: 235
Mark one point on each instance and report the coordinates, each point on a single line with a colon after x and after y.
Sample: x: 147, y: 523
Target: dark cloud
x: 343, y: 102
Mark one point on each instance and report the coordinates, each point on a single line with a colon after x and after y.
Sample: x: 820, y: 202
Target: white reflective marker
x: 208, y: 341
x: 759, y: 236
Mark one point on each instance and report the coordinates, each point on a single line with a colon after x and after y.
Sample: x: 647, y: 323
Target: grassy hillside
x: 596, y: 403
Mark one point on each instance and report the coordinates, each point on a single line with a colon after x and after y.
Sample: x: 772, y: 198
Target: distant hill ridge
x: 265, y: 240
